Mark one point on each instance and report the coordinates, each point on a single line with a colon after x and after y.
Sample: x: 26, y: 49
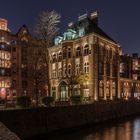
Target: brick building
x: 86, y: 48
x: 14, y: 50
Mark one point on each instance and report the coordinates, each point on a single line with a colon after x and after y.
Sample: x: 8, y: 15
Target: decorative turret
x: 4, y: 25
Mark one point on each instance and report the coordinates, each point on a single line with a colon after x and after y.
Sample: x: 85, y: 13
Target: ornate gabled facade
x: 14, y: 51
x: 85, y: 48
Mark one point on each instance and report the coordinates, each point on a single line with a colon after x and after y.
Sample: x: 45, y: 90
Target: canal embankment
x: 30, y: 123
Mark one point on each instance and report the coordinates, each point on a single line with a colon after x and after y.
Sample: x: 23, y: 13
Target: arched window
x: 69, y: 69
x: 54, y: 71
x: 86, y: 67
x: 54, y: 58
x: 60, y: 56
x: 78, y: 51
x: 86, y: 50
x: 69, y: 52
x: 64, y: 53
x: 77, y: 68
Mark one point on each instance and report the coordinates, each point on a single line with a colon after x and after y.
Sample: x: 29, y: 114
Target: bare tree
x: 46, y: 28
x: 79, y: 79
x: 36, y: 69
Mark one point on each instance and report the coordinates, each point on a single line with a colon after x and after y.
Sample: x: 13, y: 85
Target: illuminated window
x: 86, y: 67
x: 101, y: 93
x: 2, y: 39
x: 60, y: 72
x: 2, y: 55
x: 3, y: 26
x: 2, y: 84
x: 64, y: 70
x: 107, y: 89
x: 77, y: 68
x: 54, y: 73
x: 86, y: 93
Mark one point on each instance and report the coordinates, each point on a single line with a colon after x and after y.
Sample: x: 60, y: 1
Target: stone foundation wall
x: 33, y: 122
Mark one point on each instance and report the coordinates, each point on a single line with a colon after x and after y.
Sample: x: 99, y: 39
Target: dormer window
x: 81, y: 32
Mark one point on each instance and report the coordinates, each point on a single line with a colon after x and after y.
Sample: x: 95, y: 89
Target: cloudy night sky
x: 118, y: 18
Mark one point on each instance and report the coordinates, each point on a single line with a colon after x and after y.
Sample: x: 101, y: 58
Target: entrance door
x: 63, y: 92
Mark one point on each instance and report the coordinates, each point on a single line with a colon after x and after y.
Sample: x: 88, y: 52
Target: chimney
x: 94, y: 17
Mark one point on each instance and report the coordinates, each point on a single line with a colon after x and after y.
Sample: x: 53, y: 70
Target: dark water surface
x: 128, y: 129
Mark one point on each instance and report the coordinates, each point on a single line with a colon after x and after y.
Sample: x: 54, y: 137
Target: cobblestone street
x: 6, y: 134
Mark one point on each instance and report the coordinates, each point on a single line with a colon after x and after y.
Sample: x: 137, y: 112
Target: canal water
x: 128, y: 129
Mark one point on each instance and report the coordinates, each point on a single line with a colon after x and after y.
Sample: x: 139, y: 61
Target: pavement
x: 6, y: 134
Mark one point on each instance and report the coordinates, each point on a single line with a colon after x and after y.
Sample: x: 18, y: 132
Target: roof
x: 92, y: 27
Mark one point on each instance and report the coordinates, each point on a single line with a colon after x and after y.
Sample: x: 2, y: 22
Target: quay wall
x: 31, y: 123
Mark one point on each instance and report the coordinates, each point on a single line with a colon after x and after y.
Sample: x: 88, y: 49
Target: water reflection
x: 124, y: 130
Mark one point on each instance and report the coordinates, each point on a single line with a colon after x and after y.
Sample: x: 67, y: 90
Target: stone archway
x: 63, y: 88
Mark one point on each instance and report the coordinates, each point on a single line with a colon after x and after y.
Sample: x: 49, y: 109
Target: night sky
x: 118, y: 18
